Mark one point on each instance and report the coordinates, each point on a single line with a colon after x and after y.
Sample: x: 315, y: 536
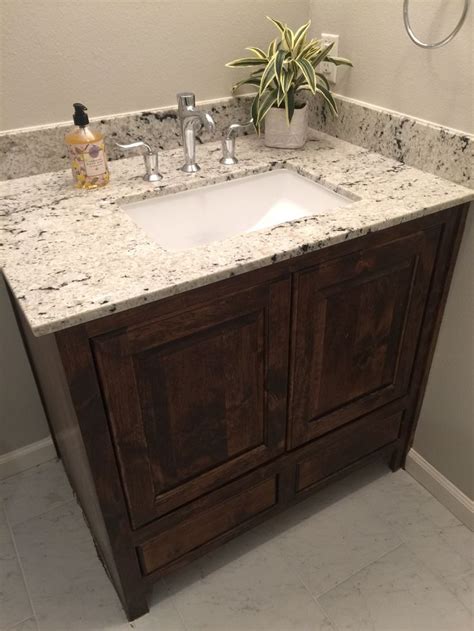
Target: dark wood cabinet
x: 356, y: 321
x: 188, y: 420
x: 197, y: 397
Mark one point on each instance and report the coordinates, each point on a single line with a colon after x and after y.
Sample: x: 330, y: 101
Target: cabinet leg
x: 136, y: 606
x: 397, y: 459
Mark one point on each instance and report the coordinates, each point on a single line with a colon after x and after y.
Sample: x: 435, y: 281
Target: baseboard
x: 22, y: 459
x: 441, y: 488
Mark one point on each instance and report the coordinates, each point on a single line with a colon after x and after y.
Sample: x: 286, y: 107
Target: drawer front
x: 347, y: 445
x: 206, y: 524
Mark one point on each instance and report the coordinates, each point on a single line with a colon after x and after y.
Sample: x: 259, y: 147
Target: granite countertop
x: 73, y: 256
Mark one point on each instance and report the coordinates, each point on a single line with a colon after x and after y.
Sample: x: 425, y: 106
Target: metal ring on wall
x: 444, y: 41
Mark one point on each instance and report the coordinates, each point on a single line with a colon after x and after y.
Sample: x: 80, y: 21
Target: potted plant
x: 287, y: 67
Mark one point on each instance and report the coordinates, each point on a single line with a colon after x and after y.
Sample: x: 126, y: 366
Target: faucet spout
x: 208, y: 122
x: 188, y: 114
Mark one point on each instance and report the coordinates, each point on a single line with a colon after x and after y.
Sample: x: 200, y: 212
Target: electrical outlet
x: 327, y: 69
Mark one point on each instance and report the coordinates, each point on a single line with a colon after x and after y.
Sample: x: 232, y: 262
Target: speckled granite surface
x: 442, y: 151
x: 72, y: 256
x: 41, y: 149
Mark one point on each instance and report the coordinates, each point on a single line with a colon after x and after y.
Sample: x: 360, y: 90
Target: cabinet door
x: 356, y: 321
x: 198, y: 397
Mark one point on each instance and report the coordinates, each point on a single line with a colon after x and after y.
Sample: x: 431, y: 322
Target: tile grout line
x: 312, y: 596
x: 15, y: 626
x: 20, y: 565
x: 364, y: 567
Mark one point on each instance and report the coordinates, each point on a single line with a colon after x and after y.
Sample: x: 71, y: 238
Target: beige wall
x: 390, y: 71
x: 124, y: 55
x: 445, y: 434
x: 22, y: 420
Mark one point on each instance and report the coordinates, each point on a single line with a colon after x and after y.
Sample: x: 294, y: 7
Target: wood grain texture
x: 205, y: 525
x: 99, y: 459
x: 197, y: 397
x: 356, y: 321
x: 347, y: 445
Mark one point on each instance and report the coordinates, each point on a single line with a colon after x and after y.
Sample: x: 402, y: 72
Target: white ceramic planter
x: 283, y: 136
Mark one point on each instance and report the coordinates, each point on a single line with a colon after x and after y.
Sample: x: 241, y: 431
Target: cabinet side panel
x: 441, y: 282
x: 62, y: 418
x: 79, y: 371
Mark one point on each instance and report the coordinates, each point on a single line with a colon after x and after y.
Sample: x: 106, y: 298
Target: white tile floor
x: 373, y: 552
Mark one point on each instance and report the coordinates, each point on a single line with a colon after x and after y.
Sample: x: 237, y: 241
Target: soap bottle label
x: 94, y: 159
x: 89, y: 163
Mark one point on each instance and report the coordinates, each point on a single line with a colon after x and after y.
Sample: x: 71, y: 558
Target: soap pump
x: 86, y: 152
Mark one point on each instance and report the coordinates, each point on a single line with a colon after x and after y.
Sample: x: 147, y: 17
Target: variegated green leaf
x: 249, y: 81
x: 320, y: 56
x: 280, y: 94
x: 245, y: 62
x: 339, y: 61
x: 280, y: 26
x: 272, y: 48
x: 328, y: 97
x: 290, y: 105
x: 308, y: 73
x: 266, y: 101
x: 258, y: 52
x: 322, y: 78
x: 288, y: 38
x: 269, y: 74
x: 288, y: 79
x: 254, y: 112
x: 300, y: 36
x: 279, y: 61
x: 310, y: 48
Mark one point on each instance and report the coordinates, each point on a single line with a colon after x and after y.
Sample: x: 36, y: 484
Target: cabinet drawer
x: 347, y: 445
x: 205, y: 525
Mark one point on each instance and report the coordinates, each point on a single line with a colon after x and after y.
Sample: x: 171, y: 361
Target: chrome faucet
x: 188, y: 116
x: 150, y: 158
x: 228, y: 141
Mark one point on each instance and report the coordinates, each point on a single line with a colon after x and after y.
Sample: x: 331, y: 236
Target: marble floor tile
x: 26, y: 625
x: 395, y: 593
x: 66, y: 581
x: 329, y: 537
x: 163, y: 614
x: 463, y: 588
x: 35, y: 491
x: 14, y: 602
x: 245, y: 586
x: 430, y: 531
x: 401, y: 501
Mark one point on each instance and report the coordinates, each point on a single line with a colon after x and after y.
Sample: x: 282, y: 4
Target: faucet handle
x: 150, y: 158
x: 186, y: 100
x: 228, y: 141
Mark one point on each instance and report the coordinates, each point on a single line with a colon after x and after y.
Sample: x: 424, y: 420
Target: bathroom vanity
x: 244, y: 375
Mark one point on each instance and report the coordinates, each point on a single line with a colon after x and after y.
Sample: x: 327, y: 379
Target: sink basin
x: 213, y: 213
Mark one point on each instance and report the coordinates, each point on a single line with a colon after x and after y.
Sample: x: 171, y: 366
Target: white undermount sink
x: 187, y: 219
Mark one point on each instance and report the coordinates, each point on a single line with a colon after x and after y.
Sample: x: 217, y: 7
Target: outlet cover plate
x: 327, y: 69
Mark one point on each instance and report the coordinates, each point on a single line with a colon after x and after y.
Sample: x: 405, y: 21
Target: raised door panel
x: 197, y: 397
x: 356, y: 323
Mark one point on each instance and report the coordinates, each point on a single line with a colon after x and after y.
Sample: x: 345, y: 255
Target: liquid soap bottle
x: 86, y: 152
